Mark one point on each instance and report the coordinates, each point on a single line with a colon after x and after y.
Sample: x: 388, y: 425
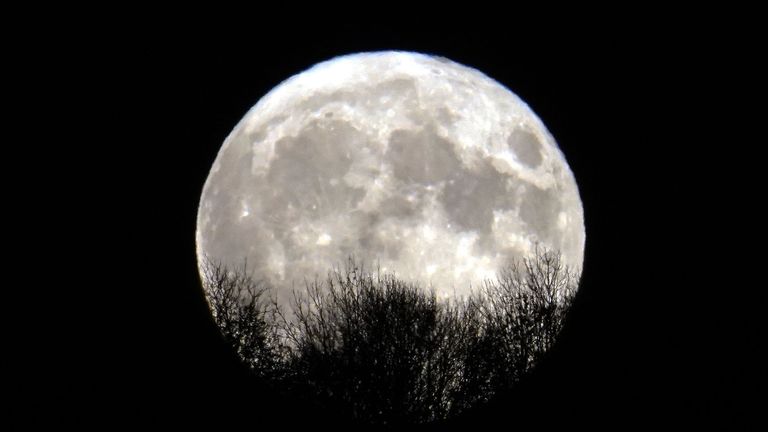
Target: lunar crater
x: 526, y: 147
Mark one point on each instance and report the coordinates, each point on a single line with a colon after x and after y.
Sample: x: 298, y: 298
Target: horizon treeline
x: 386, y: 351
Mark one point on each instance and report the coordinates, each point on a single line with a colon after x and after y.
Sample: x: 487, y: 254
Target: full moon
x: 411, y: 163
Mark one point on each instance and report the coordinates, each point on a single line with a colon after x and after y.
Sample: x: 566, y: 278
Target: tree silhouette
x: 383, y: 347
x: 386, y: 351
x: 244, y: 316
x: 522, y: 312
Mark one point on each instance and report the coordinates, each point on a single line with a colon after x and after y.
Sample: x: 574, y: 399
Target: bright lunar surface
x: 427, y: 168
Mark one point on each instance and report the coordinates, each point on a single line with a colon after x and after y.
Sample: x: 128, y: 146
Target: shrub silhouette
x: 386, y: 351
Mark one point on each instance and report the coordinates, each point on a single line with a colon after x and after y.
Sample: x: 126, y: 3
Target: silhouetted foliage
x: 383, y: 347
x: 522, y: 312
x: 244, y: 316
x: 387, y: 351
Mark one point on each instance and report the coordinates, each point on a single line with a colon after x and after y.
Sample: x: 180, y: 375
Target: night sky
x: 627, y: 356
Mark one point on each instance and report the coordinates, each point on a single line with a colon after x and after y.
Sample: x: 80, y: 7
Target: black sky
x: 610, y: 93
